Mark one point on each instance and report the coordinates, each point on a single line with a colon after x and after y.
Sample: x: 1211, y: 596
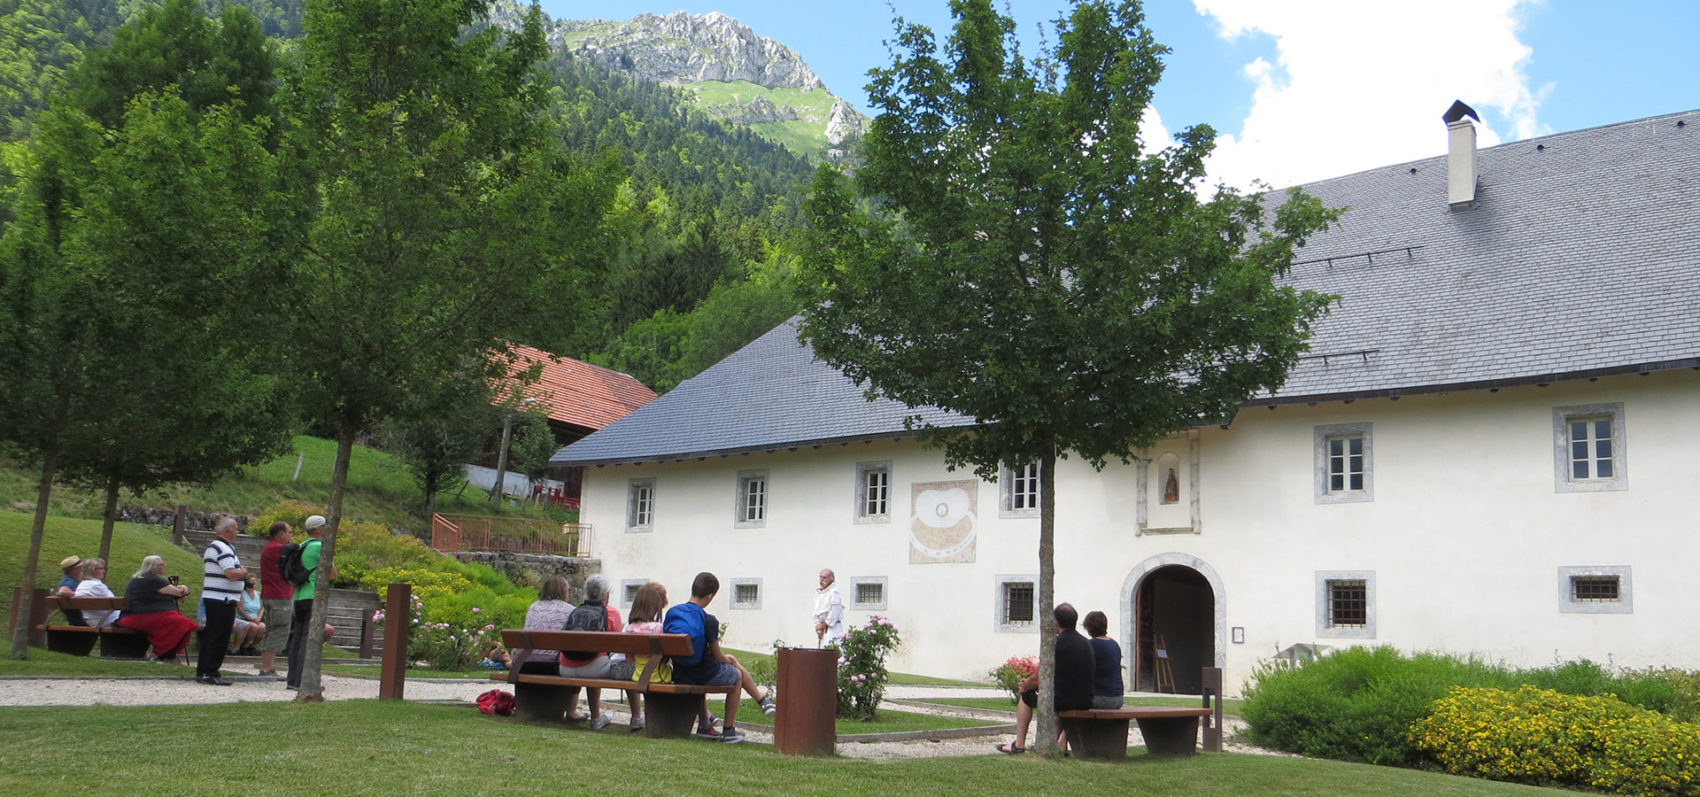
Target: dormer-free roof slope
x: 578, y: 393
x: 1579, y: 256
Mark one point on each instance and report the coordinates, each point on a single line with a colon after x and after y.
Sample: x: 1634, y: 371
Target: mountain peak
x: 680, y: 48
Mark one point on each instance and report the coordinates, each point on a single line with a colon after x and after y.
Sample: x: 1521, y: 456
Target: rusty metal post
x: 366, y: 626
x: 808, y: 702
x: 397, y: 610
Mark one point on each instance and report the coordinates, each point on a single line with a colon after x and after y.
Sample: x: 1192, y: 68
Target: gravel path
x: 159, y: 691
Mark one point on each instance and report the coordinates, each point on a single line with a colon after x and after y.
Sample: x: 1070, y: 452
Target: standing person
x: 93, y: 586
x: 222, y: 580
x: 71, y: 566
x: 277, y: 599
x: 829, y: 611
x: 1107, y: 687
x: 150, y: 606
x: 707, y: 665
x: 302, y: 617
x: 1071, y: 686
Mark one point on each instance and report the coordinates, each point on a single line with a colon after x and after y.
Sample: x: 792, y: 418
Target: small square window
x: 1588, y: 448
x: 1595, y: 590
x: 1345, y: 604
x: 640, y: 504
x: 873, y: 492
x: 1016, y: 599
x: 868, y: 594
x: 746, y: 593
x: 751, y: 509
x: 629, y: 588
x: 1344, y: 464
x: 1018, y: 490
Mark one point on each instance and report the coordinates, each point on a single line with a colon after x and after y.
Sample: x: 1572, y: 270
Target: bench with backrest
x: 78, y: 640
x: 670, y: 709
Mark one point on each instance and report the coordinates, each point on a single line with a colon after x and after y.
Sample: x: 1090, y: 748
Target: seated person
x: 1106, y: 660
x: 707, y: 665
x: 548, y: 613
x: 72, y: 567
x: 151, y: 608
x: 594, y: 614
x: 1071, y: 685
x: 249, y: 630
x: 92, y: 586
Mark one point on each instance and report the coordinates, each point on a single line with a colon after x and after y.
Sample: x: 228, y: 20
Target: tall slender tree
x: 1039, y: 265
x: 448, y: 219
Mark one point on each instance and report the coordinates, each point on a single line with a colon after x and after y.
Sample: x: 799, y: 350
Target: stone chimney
x: 1461, y: 155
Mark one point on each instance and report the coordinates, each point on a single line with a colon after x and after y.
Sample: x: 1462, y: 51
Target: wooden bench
x: 79, y: 640
x: 1102, y: 733
x: 670, y: 709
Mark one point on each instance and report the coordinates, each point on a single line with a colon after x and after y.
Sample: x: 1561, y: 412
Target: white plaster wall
x: 1465, y: 534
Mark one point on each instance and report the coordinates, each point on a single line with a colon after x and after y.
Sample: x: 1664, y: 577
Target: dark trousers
x: 299, y: 623
x: 215, y: 638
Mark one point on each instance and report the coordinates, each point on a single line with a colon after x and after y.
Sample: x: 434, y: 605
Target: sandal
x: 1011, y: 749
x: 577, y: 717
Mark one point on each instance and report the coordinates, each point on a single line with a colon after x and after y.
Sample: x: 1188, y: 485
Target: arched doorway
x: 1177, y: 598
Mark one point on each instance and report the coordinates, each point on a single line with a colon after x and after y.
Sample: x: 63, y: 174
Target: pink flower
x: 489, y: 628
x: 476, y: 610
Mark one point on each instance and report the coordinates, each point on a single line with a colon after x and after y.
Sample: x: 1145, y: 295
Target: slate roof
x: 578, y: 393
x: 1579, y: 258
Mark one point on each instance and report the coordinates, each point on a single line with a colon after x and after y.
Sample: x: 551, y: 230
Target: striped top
x: 217, y: 558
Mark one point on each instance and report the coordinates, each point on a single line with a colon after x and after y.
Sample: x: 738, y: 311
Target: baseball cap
x: 313, y: 522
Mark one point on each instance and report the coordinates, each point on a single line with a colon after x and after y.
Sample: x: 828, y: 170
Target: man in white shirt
x: 829, y: 611
x: 222, y: 580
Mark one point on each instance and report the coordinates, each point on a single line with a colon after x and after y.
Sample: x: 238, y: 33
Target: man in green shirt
x: 302, y: 619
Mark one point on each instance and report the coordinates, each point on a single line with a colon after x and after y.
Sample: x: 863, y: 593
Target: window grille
x: 1018, y: 603
x: 870, y: 592
x: 746, y: 593
x: 1595, y: 589
x: 1348, y: 604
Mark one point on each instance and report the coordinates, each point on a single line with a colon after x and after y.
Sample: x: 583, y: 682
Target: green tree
x: 443, y: 429
x: 448, y: 219
x: 1041, y: 267
x: 117, y: 282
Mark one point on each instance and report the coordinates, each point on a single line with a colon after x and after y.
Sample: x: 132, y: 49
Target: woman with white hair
x: 594, y: 614
x: 151, y: 608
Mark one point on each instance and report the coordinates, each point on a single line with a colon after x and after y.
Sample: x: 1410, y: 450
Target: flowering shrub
x: 444, y: 646
x: 1010, y: 674
x: 861, y: 667
x: 1539, y: 736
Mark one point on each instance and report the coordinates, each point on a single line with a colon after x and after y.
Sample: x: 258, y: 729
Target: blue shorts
x: 726, y: 675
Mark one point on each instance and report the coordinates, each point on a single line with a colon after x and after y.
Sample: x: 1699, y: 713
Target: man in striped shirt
x: 222, y: 581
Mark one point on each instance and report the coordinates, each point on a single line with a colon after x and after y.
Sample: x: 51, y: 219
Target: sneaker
x: 267, y: 673
x: 768, y: 707
x: 637, y: 723
x: 601, y: 721
x: 731, y: 736
x: 707, y: 732
x: 214, y: 680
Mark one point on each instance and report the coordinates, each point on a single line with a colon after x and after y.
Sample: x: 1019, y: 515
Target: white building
x: 1488, y: 451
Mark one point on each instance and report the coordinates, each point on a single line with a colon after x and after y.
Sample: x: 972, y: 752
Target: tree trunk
x: 497, y: 493
x: 311, y: 690
x: 21, y: 633
x: 1046, y: 742
x: 109, y: 518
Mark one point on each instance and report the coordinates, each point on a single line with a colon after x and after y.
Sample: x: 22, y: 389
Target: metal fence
x: 450, y: 533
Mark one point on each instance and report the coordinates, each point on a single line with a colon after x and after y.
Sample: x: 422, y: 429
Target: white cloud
x: 1363, y: 83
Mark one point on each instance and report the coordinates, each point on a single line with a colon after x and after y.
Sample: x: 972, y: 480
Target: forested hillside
x: 697, y: 258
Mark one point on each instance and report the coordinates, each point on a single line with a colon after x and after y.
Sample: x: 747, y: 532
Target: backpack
x: 586, y: 617
x: 293, y: 570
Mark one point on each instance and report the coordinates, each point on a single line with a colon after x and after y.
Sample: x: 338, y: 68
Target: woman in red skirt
x: 150, y: 606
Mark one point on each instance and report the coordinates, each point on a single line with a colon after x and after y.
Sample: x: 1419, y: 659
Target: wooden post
x: 1213, y: 700
x: 397, y: 610
x: 366, y: 634
x: 177, y: 524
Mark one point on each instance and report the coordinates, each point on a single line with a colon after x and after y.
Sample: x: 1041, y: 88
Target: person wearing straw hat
x: 72, y: 567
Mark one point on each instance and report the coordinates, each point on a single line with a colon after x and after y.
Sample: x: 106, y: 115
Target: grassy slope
x: 409, y: 748
x: 380, y: 489
x: 805, y: 135
x: 66, y: 536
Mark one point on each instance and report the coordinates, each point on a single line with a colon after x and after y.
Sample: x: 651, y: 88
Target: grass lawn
x: 373, y: 747
x: 884, y: 722
x: 1229, y: 705
x: 66, y: 536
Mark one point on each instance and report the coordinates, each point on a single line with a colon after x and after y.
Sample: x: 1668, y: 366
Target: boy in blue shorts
x: 707, y: 666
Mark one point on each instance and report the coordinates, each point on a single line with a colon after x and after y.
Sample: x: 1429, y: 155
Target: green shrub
x: 862, y: 676
x: 292, y: 512
x: 1355, y: 704
x: 1539, y: 736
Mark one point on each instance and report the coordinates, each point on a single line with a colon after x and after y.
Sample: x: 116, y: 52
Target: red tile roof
x: 579, y: 393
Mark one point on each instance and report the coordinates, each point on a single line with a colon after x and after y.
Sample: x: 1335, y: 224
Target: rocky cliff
x: 733, y: 74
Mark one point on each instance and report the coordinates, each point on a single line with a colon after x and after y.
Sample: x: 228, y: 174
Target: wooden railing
x: 450, y: 533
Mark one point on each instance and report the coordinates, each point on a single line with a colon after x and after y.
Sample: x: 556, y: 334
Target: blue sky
x: 1300, y: 90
